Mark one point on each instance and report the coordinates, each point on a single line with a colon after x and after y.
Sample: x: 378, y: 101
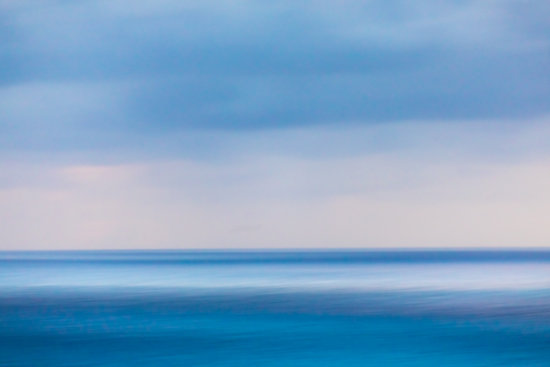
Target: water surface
x: 275, y: 308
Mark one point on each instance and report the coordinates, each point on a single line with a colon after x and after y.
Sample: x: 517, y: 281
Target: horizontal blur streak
x: 232, y: 308
x: 298, y: 257
x: 267, y: 271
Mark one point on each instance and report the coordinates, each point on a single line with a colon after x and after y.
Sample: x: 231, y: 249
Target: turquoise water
x: 329, y: 308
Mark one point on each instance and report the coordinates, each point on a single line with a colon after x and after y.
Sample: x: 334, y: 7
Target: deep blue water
x: 272, y: 308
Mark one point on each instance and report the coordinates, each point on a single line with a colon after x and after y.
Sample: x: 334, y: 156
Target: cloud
x: 251, y: 123
x: 255, y: 65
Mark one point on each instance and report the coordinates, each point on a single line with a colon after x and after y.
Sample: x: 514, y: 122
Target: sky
x: 155, y: 124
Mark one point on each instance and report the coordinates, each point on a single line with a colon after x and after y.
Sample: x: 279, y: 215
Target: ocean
x: 275, y: 308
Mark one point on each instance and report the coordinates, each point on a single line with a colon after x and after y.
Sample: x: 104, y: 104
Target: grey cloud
x: 486, y: 87
x: 93, y: 39
x: 247, y: 64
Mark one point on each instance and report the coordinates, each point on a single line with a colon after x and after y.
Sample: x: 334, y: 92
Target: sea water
x: 275, y: 308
